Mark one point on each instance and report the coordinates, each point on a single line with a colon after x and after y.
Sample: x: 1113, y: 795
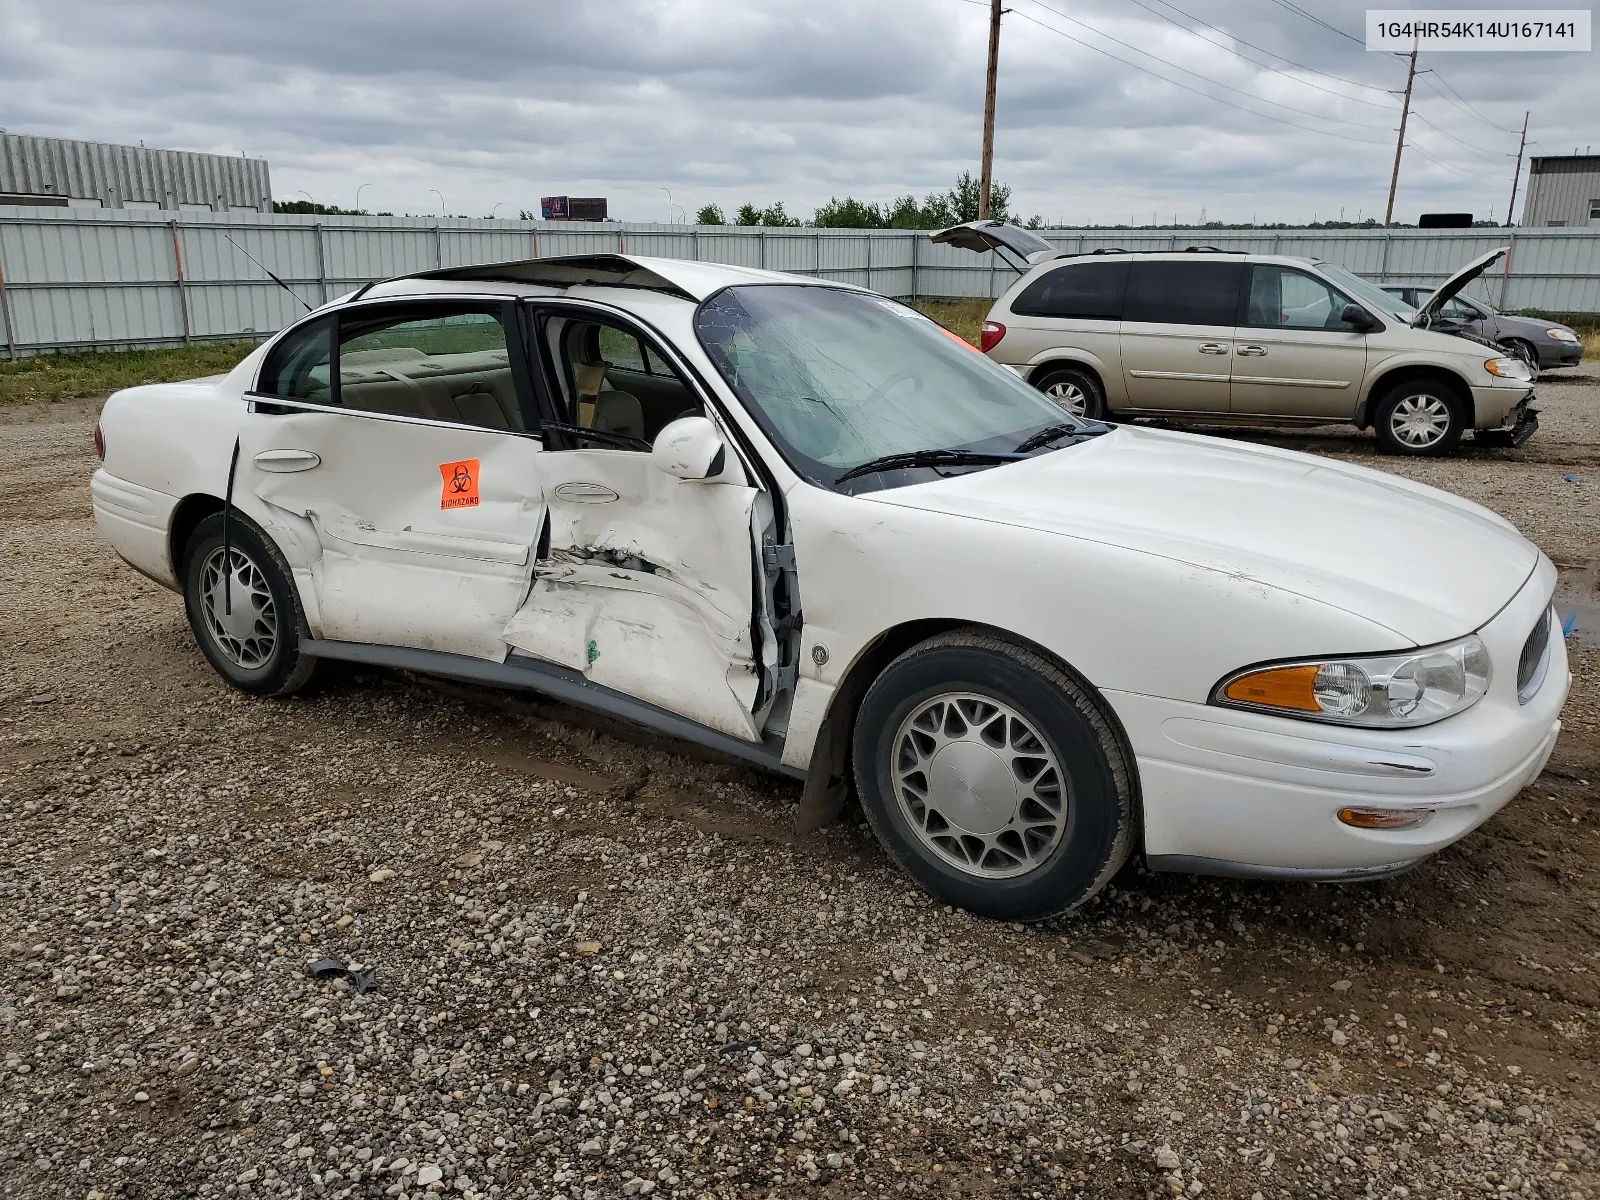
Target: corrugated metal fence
x: 71, y: 280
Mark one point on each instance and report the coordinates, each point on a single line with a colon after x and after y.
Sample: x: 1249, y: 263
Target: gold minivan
x: 1225, y: 337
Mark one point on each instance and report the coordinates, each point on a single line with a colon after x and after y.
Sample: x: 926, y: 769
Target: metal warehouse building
x: 1563, y: 190
x: 57, y: 173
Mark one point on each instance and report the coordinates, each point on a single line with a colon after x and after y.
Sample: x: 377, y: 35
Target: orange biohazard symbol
x: 460, y: 484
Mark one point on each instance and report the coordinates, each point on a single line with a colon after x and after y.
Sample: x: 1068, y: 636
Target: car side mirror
x: 690, y: 448
x: 1358, y: 317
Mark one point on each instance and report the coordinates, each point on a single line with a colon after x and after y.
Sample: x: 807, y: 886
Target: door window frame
x: 1241, y: 299
x: 524, y: 380
x: 1244, y: 321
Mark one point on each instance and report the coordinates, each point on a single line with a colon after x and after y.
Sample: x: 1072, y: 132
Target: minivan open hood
x: 1429, y: 309
x: 980, y: 236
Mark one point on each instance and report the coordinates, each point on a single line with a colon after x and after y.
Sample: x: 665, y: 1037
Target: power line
x: 1316, y: 20
x: 1486, y: 155
x: 1175, y: 83
x: 1461, y: 104
x: 1203, y: 78
x: 1277, y: 70
x: 1415, y: 145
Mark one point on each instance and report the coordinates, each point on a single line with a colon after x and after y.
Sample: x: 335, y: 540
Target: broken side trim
x: 559, y: 683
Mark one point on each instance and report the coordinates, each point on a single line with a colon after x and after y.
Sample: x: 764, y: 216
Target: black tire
x: 260, y: 656
x: 1097, y: 805
x: 1069, y: 383
x: 1419, y: 418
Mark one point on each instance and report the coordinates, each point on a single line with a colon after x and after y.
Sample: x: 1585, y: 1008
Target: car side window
x: 1091, y: 291
x: 1184, y: 293
x: 1456, y: 310
x: 440, y: 363
x: 1283, y: 298
x: 299, y: 367
x: 612, y: 380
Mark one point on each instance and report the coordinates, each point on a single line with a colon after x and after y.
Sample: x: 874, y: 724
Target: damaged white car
x: 800, y: 524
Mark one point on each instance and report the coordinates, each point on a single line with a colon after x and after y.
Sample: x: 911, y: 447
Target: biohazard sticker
x: 460, y: 488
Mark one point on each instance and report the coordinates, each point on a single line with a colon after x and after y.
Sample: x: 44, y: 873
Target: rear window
x: 1184, y: 293
x: 1089, y: 291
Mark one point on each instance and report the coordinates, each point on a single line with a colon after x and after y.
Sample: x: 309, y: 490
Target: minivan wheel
x: 1074, y: 390
x: 1418, y: 418
x: 250, y: 629
x: 993, y: 777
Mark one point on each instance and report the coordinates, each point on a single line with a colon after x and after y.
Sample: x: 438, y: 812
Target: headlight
x: 1388, y: 691
x: 1508, y: 368
x: 1561, y: 335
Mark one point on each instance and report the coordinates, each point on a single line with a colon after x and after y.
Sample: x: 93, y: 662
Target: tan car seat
x: 605, y: 408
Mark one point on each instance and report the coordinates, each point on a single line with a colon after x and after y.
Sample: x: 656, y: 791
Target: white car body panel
x: 1152, y: 564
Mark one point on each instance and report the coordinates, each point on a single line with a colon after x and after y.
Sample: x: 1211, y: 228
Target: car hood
x: 1429, y: 308
x: 1422, y: 563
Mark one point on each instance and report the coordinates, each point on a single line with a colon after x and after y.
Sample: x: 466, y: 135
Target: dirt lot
x: 607, y: 968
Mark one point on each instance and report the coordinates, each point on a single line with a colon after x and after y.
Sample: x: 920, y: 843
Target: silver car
x: 1225, y: 337
x: 1544, y: 344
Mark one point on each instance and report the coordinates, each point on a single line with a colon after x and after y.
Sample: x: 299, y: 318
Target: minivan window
x: 1285, y: 298
x: 1184, y: 293
x: 1090, y: 291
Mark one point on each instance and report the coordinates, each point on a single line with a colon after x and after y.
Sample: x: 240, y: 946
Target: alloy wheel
x: 978, y: 785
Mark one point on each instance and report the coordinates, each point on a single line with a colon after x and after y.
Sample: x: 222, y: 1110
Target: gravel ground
x: 605, y: 967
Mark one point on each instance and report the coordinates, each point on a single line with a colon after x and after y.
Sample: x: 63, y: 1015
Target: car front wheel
x: 1418, y: 418
x: 1074, y: 390
x: 244, y: 610
x: 993, y: 777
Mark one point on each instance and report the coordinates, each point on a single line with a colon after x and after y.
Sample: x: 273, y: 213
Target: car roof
x: 685, y: 278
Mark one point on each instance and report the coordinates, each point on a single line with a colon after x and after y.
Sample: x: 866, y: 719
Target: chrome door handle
x: 1213, y: 348
x: 1251, y: 351
x: 286, y: 461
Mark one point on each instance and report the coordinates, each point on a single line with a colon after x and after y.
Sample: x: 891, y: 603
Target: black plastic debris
x: 331, y: 968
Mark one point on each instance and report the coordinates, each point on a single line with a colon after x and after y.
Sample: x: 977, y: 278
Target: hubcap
x: 1420, y: 421
x: 248, y: 633
x: 978, y: 785
x: 1069, y: 396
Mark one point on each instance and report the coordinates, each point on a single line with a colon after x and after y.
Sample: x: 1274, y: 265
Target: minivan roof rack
x: 1109, y: 250
x: 1211, y: 250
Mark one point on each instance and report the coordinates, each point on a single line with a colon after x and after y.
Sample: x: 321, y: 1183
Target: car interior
x: 614, y: 382
x: 451, y: 368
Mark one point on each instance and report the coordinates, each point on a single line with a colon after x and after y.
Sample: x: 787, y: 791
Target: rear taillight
x: 993, y: 331
x: 99, y: 443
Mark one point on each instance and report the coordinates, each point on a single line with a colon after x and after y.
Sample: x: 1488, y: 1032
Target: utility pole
x: 1405, y: 111
x: 988, y: 111
x: 1516, y: 175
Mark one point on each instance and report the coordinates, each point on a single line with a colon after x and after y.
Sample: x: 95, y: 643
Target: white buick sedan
x: 800, y: 524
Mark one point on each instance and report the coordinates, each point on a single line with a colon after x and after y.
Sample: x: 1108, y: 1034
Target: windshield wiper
x: 1052, y: 433
x: 930, y: 458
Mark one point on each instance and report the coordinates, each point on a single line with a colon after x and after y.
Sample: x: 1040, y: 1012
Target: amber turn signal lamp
x: 1384, y: 818
x: 1279, y: 687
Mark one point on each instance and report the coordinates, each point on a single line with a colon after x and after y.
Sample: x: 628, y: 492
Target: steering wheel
x: 894, y: 380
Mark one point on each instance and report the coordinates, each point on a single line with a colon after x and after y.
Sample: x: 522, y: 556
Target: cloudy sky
x: 1109, y: 110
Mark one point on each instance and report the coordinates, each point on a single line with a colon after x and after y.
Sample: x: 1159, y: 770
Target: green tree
x: 710, y: 215
x: 964, y: 199
x: 850, y: 213
x: 309, y: 209
x: 773, y: 214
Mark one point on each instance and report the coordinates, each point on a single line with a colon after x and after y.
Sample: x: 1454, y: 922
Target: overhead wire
x: 1461, y: 104
x: 1388, y: 107
x: 1316, y: 20
x: 1186, y: 87
x: 1195, y: 74
x: 1486, y: 155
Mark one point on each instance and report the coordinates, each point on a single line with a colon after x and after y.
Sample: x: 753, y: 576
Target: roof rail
x: 1109, y: 250
x: 1211, y: 250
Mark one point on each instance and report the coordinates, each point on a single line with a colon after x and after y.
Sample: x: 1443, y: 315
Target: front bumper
x: 1237, y: 793
x: 1560, y: 354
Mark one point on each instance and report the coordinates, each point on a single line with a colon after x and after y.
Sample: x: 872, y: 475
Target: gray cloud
x: 499, y: 102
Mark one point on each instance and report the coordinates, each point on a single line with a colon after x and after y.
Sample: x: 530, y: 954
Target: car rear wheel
x: 1074, y: 390
x: 244, y: 610
x: 1418, y: 418
x: 993, y: 777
